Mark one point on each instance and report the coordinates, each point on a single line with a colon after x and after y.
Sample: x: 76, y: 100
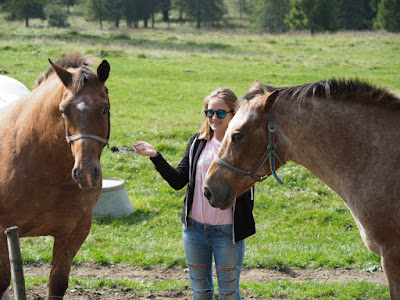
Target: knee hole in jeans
x: 227, y: 281
x: 198, y: 279
x: 228, y: 294
x: 196, y: 266
x: 227, y: 269
x: 198, y: 292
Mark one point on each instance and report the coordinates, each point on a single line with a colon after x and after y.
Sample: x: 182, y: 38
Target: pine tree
x: 356, y: 14
x: 205, y: 11
x: 315, y: 15
x: 24, y: 9
x: 269, y: 15
x: 388, y: 16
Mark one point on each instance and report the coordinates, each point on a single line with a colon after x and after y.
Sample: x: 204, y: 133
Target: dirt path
x: 95, y: 271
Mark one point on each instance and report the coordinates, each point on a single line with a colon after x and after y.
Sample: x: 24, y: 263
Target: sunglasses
x: 221, y: 114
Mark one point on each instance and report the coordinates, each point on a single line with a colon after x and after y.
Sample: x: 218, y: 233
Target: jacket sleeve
x: 177, y: 177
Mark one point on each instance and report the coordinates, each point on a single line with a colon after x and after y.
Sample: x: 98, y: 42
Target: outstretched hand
x: 144, y: 149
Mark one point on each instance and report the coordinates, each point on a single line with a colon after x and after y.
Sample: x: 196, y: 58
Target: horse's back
x: 11, y: 90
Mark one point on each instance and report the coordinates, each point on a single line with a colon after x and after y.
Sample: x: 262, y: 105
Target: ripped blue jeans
x: 201, y: 242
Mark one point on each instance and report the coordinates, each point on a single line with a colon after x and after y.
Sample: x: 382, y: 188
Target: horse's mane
x: 73, y: 60
x: 340, y: 89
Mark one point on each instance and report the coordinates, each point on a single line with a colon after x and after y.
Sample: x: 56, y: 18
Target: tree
x: 179, y: 5
x: 269, y: 15
x: 388, y: 16
x: 96, y: 10
x: 56, y: 17
x: 164, y: 6
x: 24, y: 9
x: 67, y: 3
x: 136, y: 10
x: 114, y: 11
x: 315, y: 15
x: 356, y: 14
x: 105, y: 10
x: 205, y: 11
x: 242, y: 8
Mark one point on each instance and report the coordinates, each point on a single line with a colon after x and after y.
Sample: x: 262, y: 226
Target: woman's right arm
x: 177, y: 177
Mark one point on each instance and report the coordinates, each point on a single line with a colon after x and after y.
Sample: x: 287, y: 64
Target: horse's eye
x: 106, y: 110
x: 63, y: 113
x: 237, y: 136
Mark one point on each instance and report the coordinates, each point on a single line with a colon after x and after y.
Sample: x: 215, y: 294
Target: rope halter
x: 270, y: 154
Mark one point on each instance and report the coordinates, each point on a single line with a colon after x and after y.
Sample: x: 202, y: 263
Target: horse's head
x: 244, y: 156
x: 85, y: 108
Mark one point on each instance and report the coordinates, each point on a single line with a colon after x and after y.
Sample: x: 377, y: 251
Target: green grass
x: 157, y: 83
x: 268, y: 290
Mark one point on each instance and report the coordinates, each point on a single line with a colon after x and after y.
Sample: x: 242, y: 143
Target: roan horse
x: 346, y: 132
x: 50, y: 175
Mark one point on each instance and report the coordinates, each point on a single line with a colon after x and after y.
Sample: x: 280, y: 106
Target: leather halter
x: 269, y: 154
x: 72, y: 138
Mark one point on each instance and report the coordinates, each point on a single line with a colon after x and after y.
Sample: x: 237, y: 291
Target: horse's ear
x: 64, y: 75
x: 257, y: 85
x: 103, y: 70
x: 270, y: 100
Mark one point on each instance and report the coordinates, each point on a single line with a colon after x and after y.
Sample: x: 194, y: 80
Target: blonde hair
x: 228, y: 97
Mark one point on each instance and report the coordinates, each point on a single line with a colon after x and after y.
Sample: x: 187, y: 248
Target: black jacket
x: 243, y: 220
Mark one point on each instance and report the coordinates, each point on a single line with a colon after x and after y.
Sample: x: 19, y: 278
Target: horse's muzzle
x: 219, y: 195
x: 87, y: 178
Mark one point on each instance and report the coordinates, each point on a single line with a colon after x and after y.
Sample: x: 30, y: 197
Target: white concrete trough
x: 114, y: 200
x: 11, y: 90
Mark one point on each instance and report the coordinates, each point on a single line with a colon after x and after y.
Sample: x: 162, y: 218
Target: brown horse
x: 50, y: 175
x: 346, y: 132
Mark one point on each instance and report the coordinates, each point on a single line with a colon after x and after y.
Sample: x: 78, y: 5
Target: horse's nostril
x: 207, y: 193
x: 75, y: 173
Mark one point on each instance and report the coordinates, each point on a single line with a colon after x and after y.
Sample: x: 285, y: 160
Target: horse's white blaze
x: 82, y: 106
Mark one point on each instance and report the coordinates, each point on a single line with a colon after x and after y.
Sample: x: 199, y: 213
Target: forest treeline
x: 274, y: 16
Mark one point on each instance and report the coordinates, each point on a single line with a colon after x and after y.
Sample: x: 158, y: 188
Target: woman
x: 208, y: 231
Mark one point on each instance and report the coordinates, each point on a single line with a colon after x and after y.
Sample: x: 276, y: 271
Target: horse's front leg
x: 64, y: 252
x: 391, y: 266
x: 5, y: 273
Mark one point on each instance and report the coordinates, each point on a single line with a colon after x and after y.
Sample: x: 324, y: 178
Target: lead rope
x: 271, y: 130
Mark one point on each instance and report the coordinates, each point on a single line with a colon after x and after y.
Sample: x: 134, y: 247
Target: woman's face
x: 218, y: 125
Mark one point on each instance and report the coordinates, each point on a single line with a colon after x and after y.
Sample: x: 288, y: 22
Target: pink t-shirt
x: 201, y: 210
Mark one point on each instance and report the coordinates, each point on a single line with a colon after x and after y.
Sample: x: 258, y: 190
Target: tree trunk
x: 180, y: 15
x: 198, y: 14
x: 100, y: 16
x: 152, y: 13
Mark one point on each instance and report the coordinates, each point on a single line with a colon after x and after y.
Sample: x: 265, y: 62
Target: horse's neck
x: 41, y: 126
x: 336, y: 141
x: 44, y: 111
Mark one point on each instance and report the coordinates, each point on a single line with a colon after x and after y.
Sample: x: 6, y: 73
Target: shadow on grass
x: 104, y: 39
x: 137, y: 217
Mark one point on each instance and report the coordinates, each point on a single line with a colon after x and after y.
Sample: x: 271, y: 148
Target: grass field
x: 157, y: 83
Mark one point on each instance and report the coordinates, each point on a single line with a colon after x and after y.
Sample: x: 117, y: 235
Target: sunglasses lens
x: 221, y: 114
x: 209, y: 113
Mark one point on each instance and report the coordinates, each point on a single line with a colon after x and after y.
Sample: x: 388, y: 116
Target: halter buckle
x: 271, y: 127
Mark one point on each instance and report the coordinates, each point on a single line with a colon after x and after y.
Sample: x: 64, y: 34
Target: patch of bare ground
x: 96, y: 271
